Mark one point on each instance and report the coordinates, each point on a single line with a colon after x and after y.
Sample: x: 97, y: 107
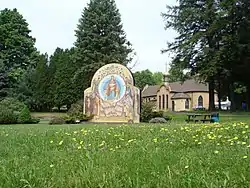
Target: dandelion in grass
x: 51, y: 141
x: 199, y: 143
x: 246, y: 126
x: 186, y: 167
x: 61, y: 142
x: 51, y: 166
x: 216, y: 151
x: 245, y: 157
x: 244, y: 132
x: 248, y: 146
x: 243, y: 143
x: 155, y: 140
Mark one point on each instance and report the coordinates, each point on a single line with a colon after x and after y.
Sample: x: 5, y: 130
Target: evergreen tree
x: 100, y: 40
x: 41, y: 85
x: 63, y: 86
x: 16, y: 45
x: 3, y: 80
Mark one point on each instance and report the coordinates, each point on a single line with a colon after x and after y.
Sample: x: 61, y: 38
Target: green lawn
x: 174, y: 155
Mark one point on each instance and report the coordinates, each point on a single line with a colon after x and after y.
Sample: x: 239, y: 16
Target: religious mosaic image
x: 112, y: 96
x: 112, y: 88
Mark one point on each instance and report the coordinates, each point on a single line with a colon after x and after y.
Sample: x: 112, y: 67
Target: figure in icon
x: 112, y: 89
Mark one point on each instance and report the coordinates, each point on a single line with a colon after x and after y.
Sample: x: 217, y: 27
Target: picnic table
x: 198, y: 117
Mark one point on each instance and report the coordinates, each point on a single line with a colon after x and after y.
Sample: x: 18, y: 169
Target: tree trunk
x: 211, y: 95
x: 232, y: 98
x: 219, y: 94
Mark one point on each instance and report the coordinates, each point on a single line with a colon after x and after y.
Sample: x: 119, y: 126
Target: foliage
x: 40, y: 86
x: 3, y: 80
x: 24, y: 116
x: 158, y: 120
x: 100, y: 40
x: 63, y: 90
x: 146, y: 111
x: 146, y: 77
x: 201, y: 155
x: 213, y: 42
x: 17, y: 47
x: 7, y: 115
x: 14, y: 111
x: 13, y: 104
x: 177, y: 74
x: 57, y: 121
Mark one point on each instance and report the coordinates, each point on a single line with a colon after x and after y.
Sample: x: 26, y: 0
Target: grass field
x: 173, y: 155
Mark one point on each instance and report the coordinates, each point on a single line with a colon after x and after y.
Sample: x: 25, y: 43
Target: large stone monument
x: 112, y: 96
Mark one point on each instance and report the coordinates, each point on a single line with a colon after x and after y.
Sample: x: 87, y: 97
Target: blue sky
x: 53, y: 23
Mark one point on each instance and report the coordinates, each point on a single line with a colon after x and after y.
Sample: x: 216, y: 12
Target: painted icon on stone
x: 112, y: 88
x: 112, y: 96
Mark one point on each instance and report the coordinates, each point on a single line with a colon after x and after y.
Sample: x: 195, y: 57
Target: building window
x: 200, y: 101
x: 187, y: 104
x: 159, y: 102
x: 163, y: 101
x: 166, y: 101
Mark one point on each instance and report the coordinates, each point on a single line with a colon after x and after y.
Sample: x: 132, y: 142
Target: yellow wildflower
x: 51, y: 141
x: 51, y: 166
x: 245, y: 157
x: 61, y: 142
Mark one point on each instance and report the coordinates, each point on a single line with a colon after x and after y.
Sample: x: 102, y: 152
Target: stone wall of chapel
x: 205, y: 95
x: 163, y: 94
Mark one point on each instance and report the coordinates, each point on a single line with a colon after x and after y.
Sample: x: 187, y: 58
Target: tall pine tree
x: 17, y: 46
x: 100, y: 40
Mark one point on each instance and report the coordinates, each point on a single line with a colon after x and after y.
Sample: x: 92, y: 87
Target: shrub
x: 13, y: 111
x: 76, y: 110
x: 7, y: 116
x: 13, y: 104
x: 24, y: 116
x: 57, y: 121
x: 146, y: 111
x: 158, y: 120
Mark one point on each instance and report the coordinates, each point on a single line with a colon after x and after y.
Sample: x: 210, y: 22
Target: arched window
x: 200, y: 101
x: 187, y: 104
x: 163, y: 102
x: 166, y: 101
x: 159, y: 102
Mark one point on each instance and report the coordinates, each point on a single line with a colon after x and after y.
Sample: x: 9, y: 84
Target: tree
x: 63, y: 88
x: 158, y: 78
x: 100, y: 40
x: 3, y: 80
x: 176, y: 73
x: 17, y: 47
x: 41, y: 85
x: 198, y: 39
x: 142, y: 78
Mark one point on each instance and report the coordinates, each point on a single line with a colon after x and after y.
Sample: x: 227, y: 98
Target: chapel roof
x: 177, y: 87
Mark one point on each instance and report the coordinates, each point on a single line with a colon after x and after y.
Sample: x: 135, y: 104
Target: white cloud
x: 53, y: 23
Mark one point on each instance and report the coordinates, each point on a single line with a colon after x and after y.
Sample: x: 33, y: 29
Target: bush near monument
x: 73, y: 116
x: 13, y: 111
x: 148, y: 113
